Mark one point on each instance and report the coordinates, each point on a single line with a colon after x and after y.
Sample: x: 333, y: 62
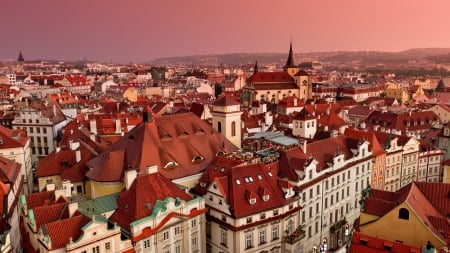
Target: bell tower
x: 226, y: 119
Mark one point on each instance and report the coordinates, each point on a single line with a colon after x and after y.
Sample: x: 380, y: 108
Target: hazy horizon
x: 140, y: 30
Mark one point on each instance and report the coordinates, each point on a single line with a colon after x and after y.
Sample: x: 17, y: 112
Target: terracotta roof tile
x: 64, y: 230
x: 162, y: 143
x: 138, y: 202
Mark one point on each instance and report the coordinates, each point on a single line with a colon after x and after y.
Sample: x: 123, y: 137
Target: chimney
x: 54, y: 109
x: 118, y: 126
x: 73, y: 207
x: 295, y: 101
x: 303, y: 143
x: 92, y: 137
x: 77, y: 155
x: 93, y: 126
x: 147, y: 114
x: 130, y: 176
x: 67, y: 186
x: 58, y: 149
x: 74, y: 145
x: 151, y: 169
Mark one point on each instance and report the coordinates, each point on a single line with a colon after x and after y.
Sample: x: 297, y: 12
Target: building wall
x: 99, y: 189
x: 410, y: 232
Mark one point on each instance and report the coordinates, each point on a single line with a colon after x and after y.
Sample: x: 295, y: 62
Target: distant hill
x: 437, y: 55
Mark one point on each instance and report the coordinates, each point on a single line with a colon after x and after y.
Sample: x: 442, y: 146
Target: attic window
x: 270, y: 173
x: 259, y: 177
x: 197, y: 159
x: 252, y: 201
x: 202, y: 184
x: 148, y: 206
x: 266, y: 197
x: 170, y: 165
x: 1, y: 140
x: 238, y: 181
x: 220, y: 153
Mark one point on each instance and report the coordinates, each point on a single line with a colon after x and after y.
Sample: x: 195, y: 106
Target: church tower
x: 226, y: 119
x: 290, y: 67
x: 20, y: 61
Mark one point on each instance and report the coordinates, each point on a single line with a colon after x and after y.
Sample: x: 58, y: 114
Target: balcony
x: 295, y: 236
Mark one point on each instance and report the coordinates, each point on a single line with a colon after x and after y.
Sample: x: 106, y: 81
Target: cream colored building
x: 442, y: 111
x: 397, y: 91
x: 410, y: 157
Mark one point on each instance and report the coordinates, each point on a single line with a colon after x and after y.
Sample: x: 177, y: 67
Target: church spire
x: 20, y: 59
x: 290, y: 59
x: 255, y: 69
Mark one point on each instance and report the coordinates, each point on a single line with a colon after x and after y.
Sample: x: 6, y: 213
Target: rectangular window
x: 194, y: 241
x: 177, y: 230
x: 147, y: 244
x: 248, y: 240
x: 166, y: 235
x: 193, y: 223
x: 262, y: 236
x: 96, y: 249
x: 223, y: 237
x: 310, y: 212
x: 275, y: 232
x: 108, y: 246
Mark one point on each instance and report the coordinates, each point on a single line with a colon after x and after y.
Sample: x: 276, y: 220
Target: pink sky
x: 141, y: 30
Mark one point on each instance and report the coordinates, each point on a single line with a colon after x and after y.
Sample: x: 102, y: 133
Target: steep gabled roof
x: 140, y: 200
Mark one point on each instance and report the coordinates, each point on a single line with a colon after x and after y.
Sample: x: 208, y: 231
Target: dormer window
x: 202, y: 184
x: 197, y: 159
x: 170, y: 164
x: 266, y: 197
x: 252, y: 201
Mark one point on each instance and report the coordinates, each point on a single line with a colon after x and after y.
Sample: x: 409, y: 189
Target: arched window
x: 219, y: 127
x: 233, y: 128
x: 403, y: 214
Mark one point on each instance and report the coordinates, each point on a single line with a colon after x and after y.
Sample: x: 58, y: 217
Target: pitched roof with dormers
x: 412, y: 121
x: 215, y: 169
x: 293, y: 163
x: 140, y: 200
x: 241, y: 183
x: 374, y: 145
x: 63, y: 231
x: 179, y: 144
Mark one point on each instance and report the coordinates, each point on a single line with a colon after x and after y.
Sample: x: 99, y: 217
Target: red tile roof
x: 368, y: 244
x: 270, y: 77
x: 430, y: 205
x: 374, y: 145
x: 181, y: 139
x: 239, y: 183
x: 12, y: 138
x: 64, y: 230
x: 138, y: 202
x: 51, y: 213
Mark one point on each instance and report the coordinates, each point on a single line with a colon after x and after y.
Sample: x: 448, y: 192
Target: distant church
x: 274, y: 86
